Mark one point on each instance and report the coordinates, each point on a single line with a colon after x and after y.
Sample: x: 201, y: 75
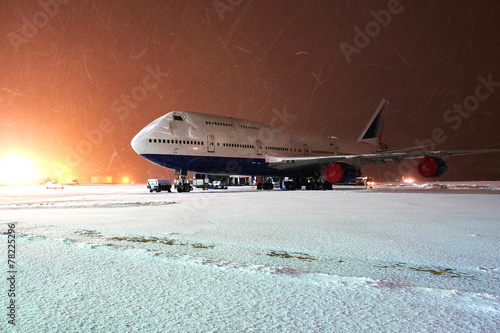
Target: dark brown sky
x: 80, y: 79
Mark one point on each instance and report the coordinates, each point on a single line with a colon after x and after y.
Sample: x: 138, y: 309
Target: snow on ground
x: 420, y: 258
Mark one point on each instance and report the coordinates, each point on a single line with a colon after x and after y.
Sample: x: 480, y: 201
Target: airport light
x: 16, y: 170
x: 408, y: 180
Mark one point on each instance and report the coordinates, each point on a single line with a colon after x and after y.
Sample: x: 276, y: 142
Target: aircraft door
x: 258, y: 145
x: 210, y: 144
x: 306, y: 150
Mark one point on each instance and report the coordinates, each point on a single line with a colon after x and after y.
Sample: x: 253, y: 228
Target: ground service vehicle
x: 159, y: 185
x: 54, y: 184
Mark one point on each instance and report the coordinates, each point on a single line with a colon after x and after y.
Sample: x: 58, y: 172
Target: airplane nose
x: 139, y: 143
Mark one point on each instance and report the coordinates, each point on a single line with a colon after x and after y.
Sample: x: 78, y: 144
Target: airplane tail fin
x: 373, y: 131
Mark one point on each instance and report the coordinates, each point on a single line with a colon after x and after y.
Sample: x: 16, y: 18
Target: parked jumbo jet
x: 209, y: 144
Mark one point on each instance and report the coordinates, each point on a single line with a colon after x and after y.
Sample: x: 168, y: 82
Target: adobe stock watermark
x: 453, y: 116
x: 280, y: 121
x: 39, y: 20
x: 223, y: 6
x: 121, y: 107
x: 372, y: 29
x: 470, y: 103
x: 138, y: 93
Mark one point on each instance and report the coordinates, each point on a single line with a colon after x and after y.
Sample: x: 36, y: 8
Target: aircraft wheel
x: 327, y: 186
x: 187, y: 188
x: 180, y: 189
x: 260, y: 186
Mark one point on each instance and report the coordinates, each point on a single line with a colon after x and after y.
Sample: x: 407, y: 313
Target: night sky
x: 80, y: 78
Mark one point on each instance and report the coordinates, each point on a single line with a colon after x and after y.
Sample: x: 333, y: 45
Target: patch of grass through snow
x: 283, y: 254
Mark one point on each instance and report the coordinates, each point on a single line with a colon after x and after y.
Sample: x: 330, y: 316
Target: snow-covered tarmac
x: 121, y: 259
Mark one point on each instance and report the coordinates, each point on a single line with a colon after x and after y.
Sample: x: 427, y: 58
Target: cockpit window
x: 178, y: 118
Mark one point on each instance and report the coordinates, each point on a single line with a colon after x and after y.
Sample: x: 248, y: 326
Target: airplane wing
x: 380, y: 157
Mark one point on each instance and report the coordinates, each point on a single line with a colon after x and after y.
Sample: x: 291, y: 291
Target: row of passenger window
x: 250, y: 127
x: 284, y: 149
x: 320, y: 152
x: 199, y: 143
x: 237, y: 145
x: 233, y: 145
x: 218, y: 123
x: 184, y: 142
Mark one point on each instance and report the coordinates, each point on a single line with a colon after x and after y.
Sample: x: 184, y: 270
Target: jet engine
x: 340, y: 173
x: 430, y: 166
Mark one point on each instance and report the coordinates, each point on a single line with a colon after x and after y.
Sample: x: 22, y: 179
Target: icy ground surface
x: 120, y: 259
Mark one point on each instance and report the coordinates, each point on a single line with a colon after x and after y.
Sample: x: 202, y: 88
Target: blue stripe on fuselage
x: 220, y: 165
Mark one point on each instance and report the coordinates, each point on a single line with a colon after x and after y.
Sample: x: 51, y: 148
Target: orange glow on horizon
x: 18, y: 168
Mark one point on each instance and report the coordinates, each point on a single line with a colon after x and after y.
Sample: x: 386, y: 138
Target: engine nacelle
x: 340, y: 173
x: 430, y: 166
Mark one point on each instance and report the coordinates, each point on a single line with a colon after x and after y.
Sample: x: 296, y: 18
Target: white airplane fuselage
x: 210, y: 144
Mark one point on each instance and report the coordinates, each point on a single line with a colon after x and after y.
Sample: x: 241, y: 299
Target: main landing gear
x: 265, y: 186
x: 317, y: 184
x: 182, y: 186
x: 265, y: 183
x: 292, y: 184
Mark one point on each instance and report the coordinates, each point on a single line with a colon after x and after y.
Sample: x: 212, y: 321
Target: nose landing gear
x: 182, y: 186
